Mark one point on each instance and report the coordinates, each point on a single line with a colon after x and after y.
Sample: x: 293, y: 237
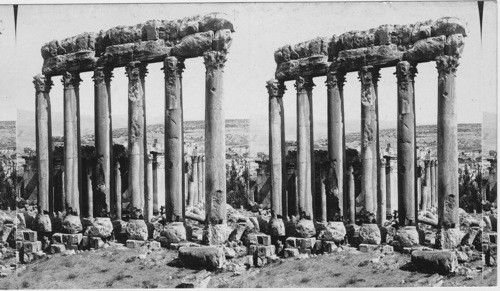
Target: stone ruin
x: 228, y: 234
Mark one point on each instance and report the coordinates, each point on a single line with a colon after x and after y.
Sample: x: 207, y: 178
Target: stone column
x: 103, y: 131
x: 406, y: 145
x: 426, y: 190
x: 311, y: 199
x: 436, y: 194
x: 276, y: 90
x: 135, y: 135
x: 71, y: 82
x: 304, y: 183
x: 118, y: 190
x: 215, y: 148
x: 388, y: 185
x: 43, y: 140
x: 336, y: 149
x: 189, y: 182
x: 90, y: 193
x: 323, y: 181
x: 194, y: 174
x: 200, y: 179
x: 376, y: 154
x: 381, y: 209
x: 203, y: 179
x: 368, y: 143
x: 148, y: 207
x: 447, y: 152
x: 421, y: 197
x: 433, y: 182
x: 352, y: 196
x: 144, y: 144
x: 173, y: 68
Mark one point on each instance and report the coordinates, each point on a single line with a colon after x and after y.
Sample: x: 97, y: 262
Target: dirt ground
x: 119, y: 267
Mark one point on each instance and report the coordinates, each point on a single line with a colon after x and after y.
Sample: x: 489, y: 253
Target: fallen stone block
x: 26, y: 235
x: 370, y: 234
x: 276, y: 227
x: 154, y: 246
x: 329, y: 246
x: 306, y: 243
x: 229, y: 252
x: 273, y: 259
x: 334, y: 231
x: 440, y: 261
x: 43, y: 223
x: 367, y: 248
x: 258, y: 238
x: 252, y: 249
x: 133, y: 243
x: 100, y: 227
x: 305, y: 228
x: 57, y: 248
x: 137, y: 230
x: 449, y: 238
x: 216, y: 234
x: 238, y: 232
x: 85, y: 242
x: 96, y: 243
x: 291, y: 242
x: 32, y: 246
x: 19, y: 245
x: 266, y: 251
x: 71, y: 247
x: 72, y: 239
x: 387, y: 249
x: 174, y: 232
x: 407, y: 236
x: 305, y: 251
x: 198, y: 280
x: 206, y: 257
x: 317, y: 247
x: 290, y: 252
x: 58, y: 238
x: 72, y: 224
x: 164, y: 242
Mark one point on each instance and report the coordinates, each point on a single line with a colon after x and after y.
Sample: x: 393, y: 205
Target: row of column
x: 195, y: 176
x: 374, y: 188
x: 142, y: 173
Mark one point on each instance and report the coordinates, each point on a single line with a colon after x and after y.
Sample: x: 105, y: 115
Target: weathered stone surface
x: 72, y: 224
x: 377, y: 56
x: 6, y: 231
x: 238, y: 232
x: 121, y: 55
x: 355, y: 39
x: 194, y: 45
x: 305, y: 228
x: 215, y: 21
x: 119, y: 226
x: 407, y: 236
x: 425, y: 50
x: 454, y: 45
x: 334, y: 231
x: 174, y: 232
x: 100, y: 227
x: 276, y: 227
x: 311, y: 66
x: 449, y: 238
x: 43, y: 223
x: 443, y: 262
x: 32, y: 247
x: 207, y: 257
x: 80, y: 61
x: 198, y: 280
x: 449, y: 26
x: 216, y: 234
x: 57, y: 248
x: 367, y: 248
x: 222, y: 40
x: 137, y: 230
x: 370, y: 234
x: 266, y: 251
x: 291, y: 252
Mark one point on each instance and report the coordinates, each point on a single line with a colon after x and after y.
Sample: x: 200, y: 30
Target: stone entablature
x: 147, y: 42
x: 380, y: 47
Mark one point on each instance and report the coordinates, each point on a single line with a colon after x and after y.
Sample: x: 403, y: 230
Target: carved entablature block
x: 380, y: 47
x: 147, y: 42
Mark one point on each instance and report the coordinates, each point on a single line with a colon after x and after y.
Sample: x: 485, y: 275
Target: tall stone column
x: 447, y: 152
x: 103, y: 132
x: 135, y: 135
x: 336, y: 149
x: 368, y: 142
x: 90, y: 193
x: 200, y: 179
x: 276, y: 90
x: 420, y: 194
x: 215, y: 148
x: 381, y: 209
x: 148, y: 207
x: 304, y: 183
x: 203, y: 179
x: 173, y: 68
x: 323, y: 181
x: 388, y: 185
x: 426, y: 191
x: 376, y: 155
x: 144, y: 143
x: 352, y: 196
x: 314, y: 191
x: 43, y: 140
x: 435, y: 203
x: 406, y: 145
x: 194, y: 174
x: 433, y: 181
x: 71, y: 82
x: 118, y: 190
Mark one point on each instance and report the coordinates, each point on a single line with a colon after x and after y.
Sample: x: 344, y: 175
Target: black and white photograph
x: 275, y: 144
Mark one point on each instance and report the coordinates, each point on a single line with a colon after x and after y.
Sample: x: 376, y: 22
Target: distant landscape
x: 7, y: 134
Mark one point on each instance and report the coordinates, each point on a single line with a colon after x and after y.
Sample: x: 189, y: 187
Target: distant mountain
x: 490, y: 132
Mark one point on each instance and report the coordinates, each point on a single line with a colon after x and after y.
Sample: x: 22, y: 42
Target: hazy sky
x: 260, y: 29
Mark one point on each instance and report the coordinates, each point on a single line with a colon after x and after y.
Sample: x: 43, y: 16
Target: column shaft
x: 135, y: 135
x: 336, y: 150
x: 388, y: 185
x: 304, y: 183
x: 433, y: 182
x: 43, y: 140
x: 381, y: 193
x: 376, y: 153
x: 148, y: 207
x: 200, y: 179
x: 90, y: 193
x: 173, y: 68
x: 118, y: 190
x: 194, y: 174
x: 143, y: 144
x: 352, y: 196
x: 71, y: 82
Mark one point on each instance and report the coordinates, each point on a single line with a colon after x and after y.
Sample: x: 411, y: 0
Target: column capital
x: 304, y: 83
x: 42, y: 83
x: 335, y: 79
x: 365, y: 75
x: 275, y: 88
x: 214, y: 60
x: 102, y: 75
x: 375, y: 74
x: 132, y: 70
x: 195, y: 159
x: 71, y: 79
x: 173, y: 67
x: 447, y: 65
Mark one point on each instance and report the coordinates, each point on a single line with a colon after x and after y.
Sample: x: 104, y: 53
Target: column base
x: 276, y: 227
x: 448, y: 238
x: 216, y: 234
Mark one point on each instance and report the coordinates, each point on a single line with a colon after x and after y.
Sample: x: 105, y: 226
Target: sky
x: 260, y: 29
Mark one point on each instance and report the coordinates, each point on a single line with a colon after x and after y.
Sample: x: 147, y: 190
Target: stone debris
x: 208, y: 257
x: 440, y: 261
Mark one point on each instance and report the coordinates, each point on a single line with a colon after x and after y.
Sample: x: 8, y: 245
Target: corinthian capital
x: 42, y: 83
x: 304, y: 83
x: 133, y: 71
x: 214, y: 60
x: 173, y: 67
x: 365, y: 75
x: 71, y: 79
x: 275, y: 88
x: 335, y: 80
x: 447, y: 65
x: 99, y: 76
x: 403, y: 72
